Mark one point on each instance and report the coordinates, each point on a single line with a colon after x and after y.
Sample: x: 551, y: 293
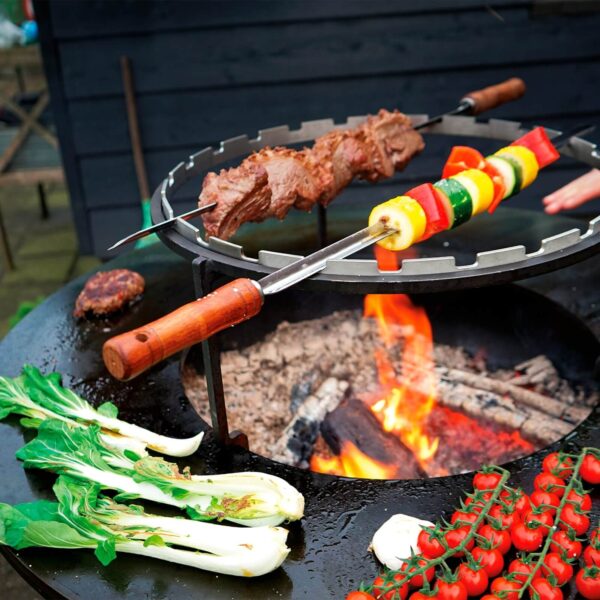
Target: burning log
x: 352, y: 421
x: 295, y: 445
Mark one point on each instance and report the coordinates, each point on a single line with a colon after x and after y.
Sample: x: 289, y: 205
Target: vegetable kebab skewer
x: 471, y: 185
x: 476, y: 184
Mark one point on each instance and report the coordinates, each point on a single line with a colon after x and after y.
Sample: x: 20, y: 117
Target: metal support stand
x: 321, y: 225
x: 211, y: 357
x: 45, y: 213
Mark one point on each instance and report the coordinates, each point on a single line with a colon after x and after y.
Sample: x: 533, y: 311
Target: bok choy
x: 84, y: 519
x: 38, y: 397
x: 251, y: 499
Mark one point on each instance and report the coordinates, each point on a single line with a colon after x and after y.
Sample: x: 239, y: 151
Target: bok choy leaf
x: 84, y: 519
x: 38, y: 397
x: 251, y: 499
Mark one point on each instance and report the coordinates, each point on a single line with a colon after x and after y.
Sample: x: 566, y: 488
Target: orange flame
x: 352, y: 463
x: 406, y: 401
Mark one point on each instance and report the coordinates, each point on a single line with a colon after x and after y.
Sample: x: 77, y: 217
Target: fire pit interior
x: 387, y: 386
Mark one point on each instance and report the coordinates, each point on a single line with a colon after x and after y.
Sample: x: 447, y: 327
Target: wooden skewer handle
x: 129, y: 354
x: 495, y: 95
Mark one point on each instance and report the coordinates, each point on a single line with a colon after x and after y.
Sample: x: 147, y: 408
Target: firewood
x: 295, y: 445
x: 354, y: 422
x: 517, y: 394
x: 502, y: 410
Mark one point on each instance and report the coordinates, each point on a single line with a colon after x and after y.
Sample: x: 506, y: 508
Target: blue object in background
x: 30, y: 32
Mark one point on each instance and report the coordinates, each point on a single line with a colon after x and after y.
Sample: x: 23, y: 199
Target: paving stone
x: 47, y: 269
x: 43, y: 243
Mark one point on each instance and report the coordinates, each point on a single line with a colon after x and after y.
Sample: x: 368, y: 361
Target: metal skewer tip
x: 162, y: 225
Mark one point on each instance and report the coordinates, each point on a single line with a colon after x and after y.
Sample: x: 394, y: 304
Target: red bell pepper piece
x: 499, y: 187
x: 462, y: 158
x: 432, y: 204
x: 539, y: 143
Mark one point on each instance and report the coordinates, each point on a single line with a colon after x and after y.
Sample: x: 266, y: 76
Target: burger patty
x: 108, y: 291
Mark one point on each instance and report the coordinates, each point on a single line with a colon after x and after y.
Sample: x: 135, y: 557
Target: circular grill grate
x: 501, y: 265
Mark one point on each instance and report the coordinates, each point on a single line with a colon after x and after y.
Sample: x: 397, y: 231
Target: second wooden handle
x: 495, y: 95
x: 129, y: 354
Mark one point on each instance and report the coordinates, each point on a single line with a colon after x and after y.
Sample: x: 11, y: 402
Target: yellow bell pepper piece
x: 527, y: 160
x: 406, y: 216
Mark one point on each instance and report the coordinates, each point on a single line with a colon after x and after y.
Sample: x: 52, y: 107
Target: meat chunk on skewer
x: 273, y: 180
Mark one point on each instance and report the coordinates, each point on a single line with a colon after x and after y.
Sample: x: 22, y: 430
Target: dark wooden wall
x: 206, y: 71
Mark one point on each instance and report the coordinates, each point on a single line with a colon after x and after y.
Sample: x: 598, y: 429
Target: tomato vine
x: 498, y: 518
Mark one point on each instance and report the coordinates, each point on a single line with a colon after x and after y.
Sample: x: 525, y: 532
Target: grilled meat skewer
x: 273, y: 180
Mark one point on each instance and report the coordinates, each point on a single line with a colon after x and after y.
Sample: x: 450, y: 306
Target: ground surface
x: 45, y: 251
x: 46, y: 257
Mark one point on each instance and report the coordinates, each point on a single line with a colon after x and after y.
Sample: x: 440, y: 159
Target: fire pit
x: 336, y: 396
x: 329, y: 545
x: 483, y: 333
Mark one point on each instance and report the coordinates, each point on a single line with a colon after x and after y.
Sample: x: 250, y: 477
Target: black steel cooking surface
x: 329, y: 546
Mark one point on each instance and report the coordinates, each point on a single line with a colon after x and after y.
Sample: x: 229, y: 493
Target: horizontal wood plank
x: 119, y: 17
x: 201, y: 118
x: 182, y: 61
x: 32, y: 176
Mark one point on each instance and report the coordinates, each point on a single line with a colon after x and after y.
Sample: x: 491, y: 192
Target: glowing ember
x: 352, y: 463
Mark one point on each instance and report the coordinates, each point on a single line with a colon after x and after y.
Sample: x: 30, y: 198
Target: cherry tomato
x: 545, y: 590
x: 520, y: 570
x: 422, y: 596
x: 545, y: 499
x: 454, y: 537
x: 526, y: 537
x: 591, y: 556
x: 381, y: 584
x: 429, y: 545
x: 451, y: 590
x: 463, y: 517
x: 505, y: 588
x: 588, y: 583
x: 583, y: 501
x: 486, y: 481
x: 506, y: 516
x: 490, y: 559
x: 499, y: 538
x: 561, y: 466
x: 571, y: 518
x: 489, y: 597
x: 523, y: 503
x: 565, y: 544
x: 546, y: 482
x: 417, y: 581
x: 359, y: 596
x: 474, y: 580
x: 590, y: 469
x: 541, y: 517
x: 553, y: 563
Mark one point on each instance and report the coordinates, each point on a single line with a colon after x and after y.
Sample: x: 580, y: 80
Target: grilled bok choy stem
x: 83, y: 519
x: 251, y: 499
x: 38, y: 397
